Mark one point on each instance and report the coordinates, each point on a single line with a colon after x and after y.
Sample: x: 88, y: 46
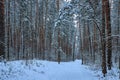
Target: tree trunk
x: 109, y: 39
x: 89, y: 38
x: 2, y: 29
x: 118, y: 40
x: 59, y: 47
x: 104, y: 71
x: 74, y: 42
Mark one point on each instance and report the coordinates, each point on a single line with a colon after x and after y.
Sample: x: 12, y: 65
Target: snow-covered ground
x: 46, y: 70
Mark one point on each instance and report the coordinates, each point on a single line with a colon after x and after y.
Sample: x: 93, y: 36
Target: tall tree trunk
x: 118, y: 40
x: 74, y: 46
x: 59, y: 47
x: 94, y: 42
x: 2, y: 29
x: 8, y: 28
x: 89, y: 37
x: 104, y: 71
x: 81, y: 42
x: 37, y: 28
x: 109, y: 39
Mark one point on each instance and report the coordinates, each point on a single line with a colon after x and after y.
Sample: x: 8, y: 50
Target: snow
x: 46, y: 70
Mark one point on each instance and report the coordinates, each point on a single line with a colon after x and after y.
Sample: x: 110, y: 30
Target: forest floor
x: 46, y: 70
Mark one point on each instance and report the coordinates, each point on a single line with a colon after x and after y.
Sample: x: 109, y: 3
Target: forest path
x: 45, y: 70
x: 69, y: 71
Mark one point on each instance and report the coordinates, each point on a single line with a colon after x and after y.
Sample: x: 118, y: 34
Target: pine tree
x: 2, y: 29
x: 104, y: 70
x: 109, y: 38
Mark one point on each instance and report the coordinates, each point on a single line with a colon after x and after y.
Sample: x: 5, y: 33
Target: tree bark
x: 109, y: 38
x: 104, y: 71
x: 2, y: 29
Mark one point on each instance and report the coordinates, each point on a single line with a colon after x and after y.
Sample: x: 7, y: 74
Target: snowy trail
x: 45, y: 70
x: 69, y: 71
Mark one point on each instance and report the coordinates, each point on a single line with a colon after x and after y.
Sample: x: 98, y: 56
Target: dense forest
x: 61, y: 30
